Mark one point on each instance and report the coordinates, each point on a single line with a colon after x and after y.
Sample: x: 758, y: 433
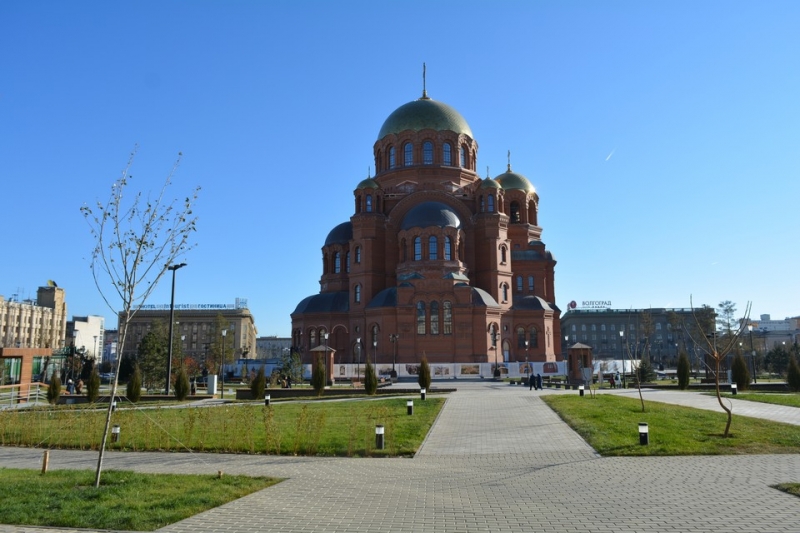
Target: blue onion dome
x: 431, y: 214
x: 425, y: 114
x: 512, y: 181
x: 341, y: 234
x: 368, y: 183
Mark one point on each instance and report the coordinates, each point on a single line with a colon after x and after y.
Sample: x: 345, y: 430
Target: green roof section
x: 513, y: 181
x: 368, y: 183
x: 489, y: 183
x: 425, y: 114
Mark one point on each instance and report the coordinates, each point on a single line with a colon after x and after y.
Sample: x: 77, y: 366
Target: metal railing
x: 28, y: 393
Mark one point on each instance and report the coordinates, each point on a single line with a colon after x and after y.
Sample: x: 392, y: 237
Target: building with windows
x: 87, y: 333
x: 196, y: 327
x: 272, y: 347
x: 34, y: 324
x: 434, y: 260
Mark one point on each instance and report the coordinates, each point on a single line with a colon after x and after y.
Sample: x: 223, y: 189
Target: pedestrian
x: 194, y: 387
x: 79, y: 387
x: 531, y: 381
x: 611, y: 382
x: 70, y: 386
x: 539, y: 381
x: 289, y: 381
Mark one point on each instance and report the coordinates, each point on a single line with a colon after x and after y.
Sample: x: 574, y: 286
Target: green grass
x: 609, y: 424
x: 788, y: 399
x: 791, y: 488
x: 328, y: 428
x: 124, y: 500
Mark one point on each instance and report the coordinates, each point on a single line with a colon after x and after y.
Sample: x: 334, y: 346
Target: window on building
x: 520, y: 337
x: 583, y: 327
x: 519, y: 283
x: 534, y: 338
x: 357, y: 291
x: 337, y: 263
x: 503, y: 254
x: 481, y: 202
x: 447, y: 156
x: 448, y: 249
x: 312, y: 339
x: 505, y: 292
x: 427, y: 153
x: 594, y: 328
x: 358, y: 254
x: 433, y: 247
x: 613, y: 327
x: 417, y: 249
x: 347, y: 262
x: 434, y: 318
x: 420, y: 318
x: 369, y: 203
x: 391, y: 157
x: 530, y: 284
x: 602, y: 327
x: 447, y: 316
x: 462, y: 156
x: 408, y: 154
x: 490, y: 203
x: 514, y: 212
x: 658, y: 326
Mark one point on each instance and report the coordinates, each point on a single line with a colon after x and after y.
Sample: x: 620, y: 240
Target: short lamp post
x: 494, y: 345
x: 393, y: 339
x: 622, y: 345
x: 222, y: 365
x: 173, y: 268
x: 325, y: 358
x: 752, y: 352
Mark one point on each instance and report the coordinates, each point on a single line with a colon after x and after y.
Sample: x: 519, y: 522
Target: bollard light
x: 113, y: 406
x: 115, y: 434
x: 410, y: 407
x: 733, y: 389
x: 422, y: 393
x: 266, y: 400
x: 379, y: 437
x: 644, y: 434
x: 580, y: 389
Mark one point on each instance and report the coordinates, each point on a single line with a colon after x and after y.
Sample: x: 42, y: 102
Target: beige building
x: 196, y: 326
x: 39, y: 324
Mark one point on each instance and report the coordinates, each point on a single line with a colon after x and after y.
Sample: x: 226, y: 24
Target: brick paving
x: 497, y: 459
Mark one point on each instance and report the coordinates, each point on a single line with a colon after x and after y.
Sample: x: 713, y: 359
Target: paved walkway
x: 497, y: 459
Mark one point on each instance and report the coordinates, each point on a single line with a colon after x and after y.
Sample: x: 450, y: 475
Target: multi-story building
x: 34, y: 324
x: 434, y: 260
x: 196, y: 326
x: 272, y: 347
x: 87, y: 334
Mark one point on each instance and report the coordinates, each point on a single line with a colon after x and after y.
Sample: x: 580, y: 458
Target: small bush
x: 134, y: 389
x: 93, y: 386
x: 54, y: 389
x: 645, y: 372
x: 684, y: 371
x: 793, y: 375
x: 181, y: 385
x: 424, y: 374
x: 318, y: 376
x: 739, y: 373
x: 258, y: 385
x: 370, y: 381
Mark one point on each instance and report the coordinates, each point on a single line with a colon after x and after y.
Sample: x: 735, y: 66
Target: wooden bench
x: 356, y: 384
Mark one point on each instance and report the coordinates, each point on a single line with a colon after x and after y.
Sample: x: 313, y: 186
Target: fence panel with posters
x: 449, y: 370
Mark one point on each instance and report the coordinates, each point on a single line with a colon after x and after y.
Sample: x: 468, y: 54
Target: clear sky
x: 663, y: 138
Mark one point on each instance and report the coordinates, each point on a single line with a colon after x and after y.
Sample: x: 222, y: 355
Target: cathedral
x: 434, y: 261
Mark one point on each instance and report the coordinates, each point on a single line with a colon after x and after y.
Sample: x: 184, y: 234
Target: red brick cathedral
x: 434, y: 261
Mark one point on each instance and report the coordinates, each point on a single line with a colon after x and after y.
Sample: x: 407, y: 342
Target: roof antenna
x: 424, y: 91
x: 509, y: 161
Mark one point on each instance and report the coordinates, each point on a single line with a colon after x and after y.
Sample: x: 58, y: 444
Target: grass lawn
x: 124, y: 500
x: 330, y: 428
x: 609, y: 424
x: 788, y: 399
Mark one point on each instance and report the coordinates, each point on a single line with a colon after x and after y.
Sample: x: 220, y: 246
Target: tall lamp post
x: 622, y: 347
x: 173, y: 268
x: 358, y: 364
x: 752, y: 352
x: 494, y: 345
x: 375, y: 354
x: 527, y: 369
x: 222, y: 365
x: 325, y: 360
x: 393, y: 338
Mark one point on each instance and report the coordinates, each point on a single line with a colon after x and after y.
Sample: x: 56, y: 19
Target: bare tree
x: 718, y: 347
x: 136, y: 238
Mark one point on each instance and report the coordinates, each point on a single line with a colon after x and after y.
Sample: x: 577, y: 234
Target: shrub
x: 318, y: 376
x: 370, y: 381
x: 134, y: 389
x: 258, y: 384
x: 54, y: 389
x: 93, y: 386
x: 424, y: 374
x: 684, y: 371
x: 645, y: 373
x: 181, y: 385
x: 793, y: 375
x: 739, y: 373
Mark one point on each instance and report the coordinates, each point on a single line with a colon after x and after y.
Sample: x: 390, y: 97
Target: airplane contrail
x: 612, y: 153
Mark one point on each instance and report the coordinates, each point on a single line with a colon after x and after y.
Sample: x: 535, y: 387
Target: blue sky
x: 663, y: 137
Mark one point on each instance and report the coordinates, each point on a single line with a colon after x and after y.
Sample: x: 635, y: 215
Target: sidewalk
x: 497, y: 459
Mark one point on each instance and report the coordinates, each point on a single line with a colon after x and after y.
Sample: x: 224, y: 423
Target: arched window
x: 490, y: 203
x: 503, y: 254
x: 427, y: 153
x: 391, y: 157
x: 434, y: 318
x: 357, y: 294
x: 519, y: 283
x: 514, y: 212
x: 369, y: 203
x: 447, y: 316
x: 447, y: 159
x: 312, y: 338
x: 462, y: 156
x: 347, y: 262
x: 520, y: 337
x: 408, y: 154
x: 420, y: 318
x: 433, y: 248
x: 358, y: 254
x: 583, y: 327
x: 417, y: 249
x: 505, y: 292
x: 530, y: 284
x: 337, y: 263
x: 534, y: 338
x: 448, y: 249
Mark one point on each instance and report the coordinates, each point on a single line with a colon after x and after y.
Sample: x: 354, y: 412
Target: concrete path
x: 497, y: 459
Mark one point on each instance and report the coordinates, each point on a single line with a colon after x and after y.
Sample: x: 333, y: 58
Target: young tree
x: 292, y: 366
x: 152, y: 355
x: 726, y: 317
x: 181, y: 385
x: 740, y: 373
x: 258, y: 385
x: 133, y: 391
x: 370, y: 381
x: 54, y: 389
x: 93, y: 386
x: 684, y: 369
x: 717, y: 348
x: 136, y: 238
x: 318, y: 375
x: 793, y: 375
x: 424, y: 379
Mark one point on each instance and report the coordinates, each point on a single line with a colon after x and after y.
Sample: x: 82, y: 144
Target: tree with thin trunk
x: 717, y: 347
x: 136, y: 238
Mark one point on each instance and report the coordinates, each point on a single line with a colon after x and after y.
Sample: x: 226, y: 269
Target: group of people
x: 535, y: 382
x: 73, y: 387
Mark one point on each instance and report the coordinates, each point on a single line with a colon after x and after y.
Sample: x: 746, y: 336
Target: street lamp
x: 222, y: 365
x: 183, y: 339
x: 752, y: 352
x: 393, y: 338
x: 494, y: 345
x: 325, y: 361
x: 358, y: 365
x: 622, y: 348
x: 375, y: 354
x: 173, y: 268
x: 527, y: 369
